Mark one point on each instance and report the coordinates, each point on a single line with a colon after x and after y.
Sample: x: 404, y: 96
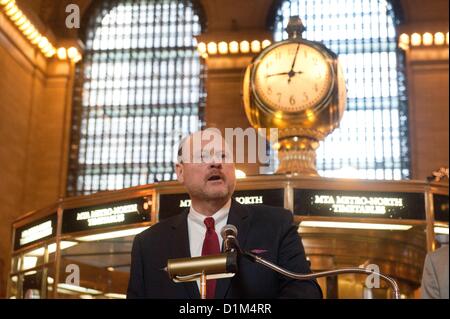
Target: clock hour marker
x: 279, y: 97
x: 292, y: 100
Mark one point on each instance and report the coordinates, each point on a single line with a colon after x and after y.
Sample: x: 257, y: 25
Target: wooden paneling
x: 428, y: 110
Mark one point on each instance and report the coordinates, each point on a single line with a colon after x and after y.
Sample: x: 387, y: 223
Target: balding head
x: 206, y: 169
x: 204, y: 147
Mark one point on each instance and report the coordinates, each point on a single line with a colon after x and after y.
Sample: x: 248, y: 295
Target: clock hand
x: 295, y: 58
x: 275, y: 74
x: 283, y: 73
x: 291, y: 72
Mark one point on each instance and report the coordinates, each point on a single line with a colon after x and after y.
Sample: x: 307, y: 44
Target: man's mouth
x: 215, y: 177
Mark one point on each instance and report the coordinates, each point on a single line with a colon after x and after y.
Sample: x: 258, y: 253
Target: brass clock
x: 297, y: 86
x: 292, y: 77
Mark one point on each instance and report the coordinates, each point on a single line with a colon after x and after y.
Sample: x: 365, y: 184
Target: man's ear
x: 180, y: 172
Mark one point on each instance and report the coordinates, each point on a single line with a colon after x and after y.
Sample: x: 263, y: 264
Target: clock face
x: 292, y: 77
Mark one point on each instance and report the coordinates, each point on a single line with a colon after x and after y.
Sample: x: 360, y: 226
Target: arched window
x: 138, y: 89
x: 372, y: 141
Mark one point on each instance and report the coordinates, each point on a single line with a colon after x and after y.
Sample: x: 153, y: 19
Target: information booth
x: 80, y: 247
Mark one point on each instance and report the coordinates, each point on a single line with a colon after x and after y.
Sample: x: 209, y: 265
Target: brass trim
x: 429, y: 215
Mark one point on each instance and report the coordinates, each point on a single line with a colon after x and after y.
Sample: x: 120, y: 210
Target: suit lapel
x: 239, y: 217
x: 180, y: 249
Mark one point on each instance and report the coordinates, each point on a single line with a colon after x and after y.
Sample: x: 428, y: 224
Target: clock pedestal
x: 297, y: 150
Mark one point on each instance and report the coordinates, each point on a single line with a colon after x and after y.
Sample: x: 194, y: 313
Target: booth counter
x: 80, y: 247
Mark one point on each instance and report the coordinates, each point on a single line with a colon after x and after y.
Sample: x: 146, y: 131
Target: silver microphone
x: 229, y: 235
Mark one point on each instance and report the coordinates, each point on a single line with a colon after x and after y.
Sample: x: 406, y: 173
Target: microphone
x: 229, y: 235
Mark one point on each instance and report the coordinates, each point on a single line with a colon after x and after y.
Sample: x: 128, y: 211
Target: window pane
x: 140, y: 76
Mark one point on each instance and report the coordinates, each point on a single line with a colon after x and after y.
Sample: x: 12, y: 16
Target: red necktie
x: 210, y: 247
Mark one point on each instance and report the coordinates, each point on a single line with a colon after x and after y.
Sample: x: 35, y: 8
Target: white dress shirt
x: 197, y: 227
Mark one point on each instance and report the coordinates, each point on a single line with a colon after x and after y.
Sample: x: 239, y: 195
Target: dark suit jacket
x: 259, y: 227
x: 435, y: 275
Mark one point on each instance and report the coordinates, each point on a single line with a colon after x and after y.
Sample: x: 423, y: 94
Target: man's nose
x: 215, y: 164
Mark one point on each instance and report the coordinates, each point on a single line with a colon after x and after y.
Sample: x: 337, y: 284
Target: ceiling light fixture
x: 26, y: 27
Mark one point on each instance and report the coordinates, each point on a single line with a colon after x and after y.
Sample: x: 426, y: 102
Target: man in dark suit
x: 209, y: 177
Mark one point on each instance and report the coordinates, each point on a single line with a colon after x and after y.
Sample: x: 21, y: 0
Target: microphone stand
x: 190, y: 269
x: 351, y: 270
x: 203, y: 285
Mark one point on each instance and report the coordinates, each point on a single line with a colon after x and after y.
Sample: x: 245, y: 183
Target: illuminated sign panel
x: 332, y: 203
x: 38, y: 230
x: 106, y: 215
x: 173, y: 204
x: 440, y: 203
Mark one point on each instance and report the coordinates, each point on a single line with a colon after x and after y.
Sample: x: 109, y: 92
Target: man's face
x: 204, y: 169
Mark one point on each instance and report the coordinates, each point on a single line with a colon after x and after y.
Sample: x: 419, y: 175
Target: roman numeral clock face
x: 292, y: 77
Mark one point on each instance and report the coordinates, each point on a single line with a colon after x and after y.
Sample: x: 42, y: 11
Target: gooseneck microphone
x: 229, y: 236
x: 225, y: 265
x: 231, y: 244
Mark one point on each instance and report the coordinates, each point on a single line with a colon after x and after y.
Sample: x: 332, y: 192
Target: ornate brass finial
x: 295, y: 27
x: 439, y: 174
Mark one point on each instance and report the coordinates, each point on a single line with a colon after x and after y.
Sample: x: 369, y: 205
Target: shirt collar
x: 219, y: 216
